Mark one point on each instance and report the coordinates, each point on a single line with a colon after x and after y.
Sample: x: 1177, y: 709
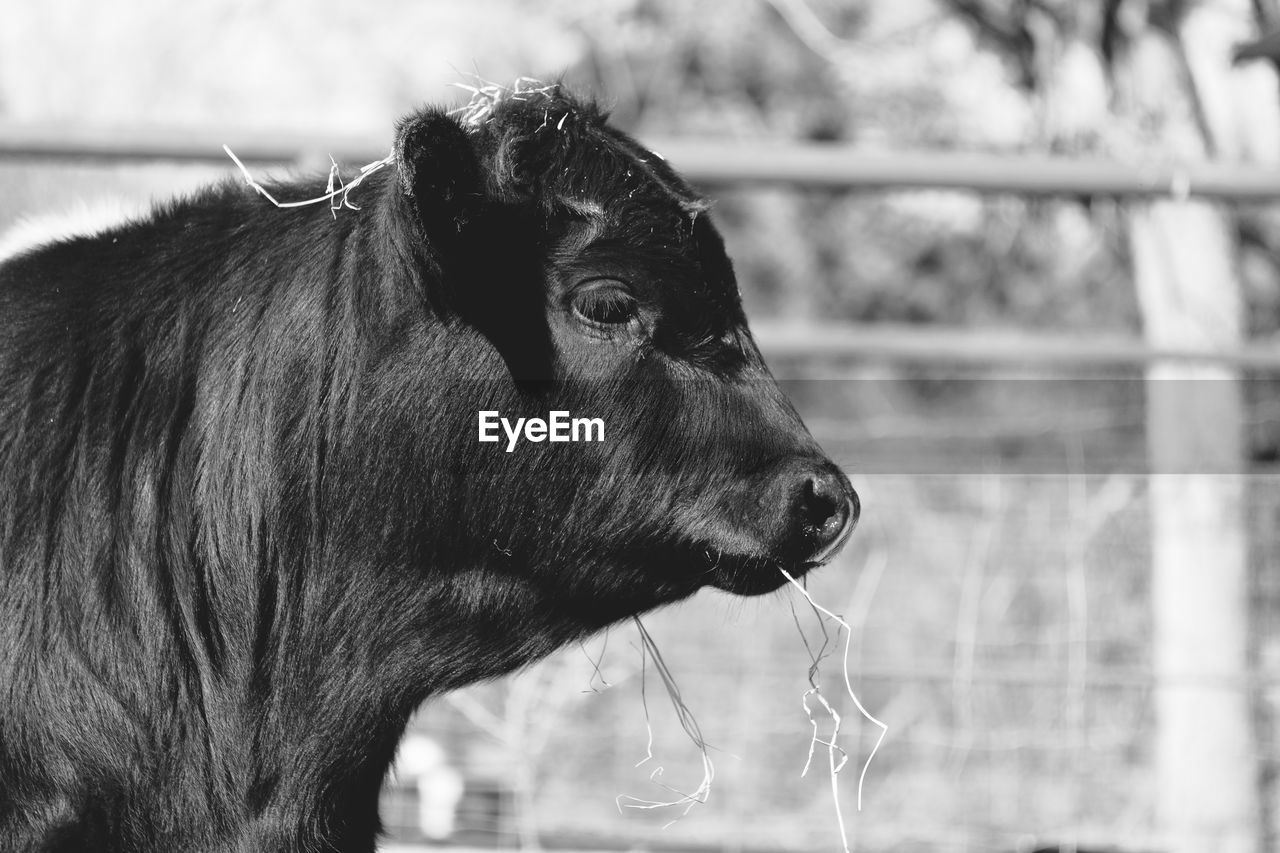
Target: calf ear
x: 440, y: 176
x: 498, y: 293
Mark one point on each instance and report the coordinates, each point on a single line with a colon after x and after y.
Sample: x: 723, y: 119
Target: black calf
x: 246, y: 520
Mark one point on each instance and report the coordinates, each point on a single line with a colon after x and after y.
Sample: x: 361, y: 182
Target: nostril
x: 821, y: 502
x: 829, y: 507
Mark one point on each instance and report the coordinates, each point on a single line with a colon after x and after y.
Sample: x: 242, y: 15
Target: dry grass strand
x: 337, y: 193
x: 649, y: 651
x: 837, y: 757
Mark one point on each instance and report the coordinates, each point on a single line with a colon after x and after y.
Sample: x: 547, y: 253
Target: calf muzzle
x: 821, y: 508
x: 828, y: 508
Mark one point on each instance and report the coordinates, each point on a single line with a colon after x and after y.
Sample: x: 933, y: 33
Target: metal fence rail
x: 991, y: 347
x: 717, y: 163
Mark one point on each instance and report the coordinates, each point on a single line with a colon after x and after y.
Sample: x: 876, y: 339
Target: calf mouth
x: 750, y: 575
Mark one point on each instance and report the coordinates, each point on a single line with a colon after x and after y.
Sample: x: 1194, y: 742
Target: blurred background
x: 1015, y: 261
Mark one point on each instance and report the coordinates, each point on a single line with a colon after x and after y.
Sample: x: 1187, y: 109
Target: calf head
x: 581, y: 273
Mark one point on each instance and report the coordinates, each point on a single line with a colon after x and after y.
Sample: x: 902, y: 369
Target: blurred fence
x: 998, y: 588
x: 812, y: 166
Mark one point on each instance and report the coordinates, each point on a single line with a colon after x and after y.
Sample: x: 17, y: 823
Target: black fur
x: 246, y: 526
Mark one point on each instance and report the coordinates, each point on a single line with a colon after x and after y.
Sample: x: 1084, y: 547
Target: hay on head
x: 337, y: 192
x: 486, y: 97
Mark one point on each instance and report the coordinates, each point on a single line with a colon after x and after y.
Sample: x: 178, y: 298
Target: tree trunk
x: 1205, y: 754
x: 1184, y: 255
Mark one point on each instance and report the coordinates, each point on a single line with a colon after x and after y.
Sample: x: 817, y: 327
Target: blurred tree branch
x: 810, y: 29
x: 1007, y: 32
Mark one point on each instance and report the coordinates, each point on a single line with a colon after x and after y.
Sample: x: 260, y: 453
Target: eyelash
x: 605, y: 306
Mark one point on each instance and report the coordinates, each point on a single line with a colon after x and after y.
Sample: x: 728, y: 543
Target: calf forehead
x: 568, y: 152
x: 615, y: 168
x: 640, y: 210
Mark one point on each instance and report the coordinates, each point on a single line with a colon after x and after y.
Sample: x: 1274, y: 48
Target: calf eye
x: 605, y: 303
